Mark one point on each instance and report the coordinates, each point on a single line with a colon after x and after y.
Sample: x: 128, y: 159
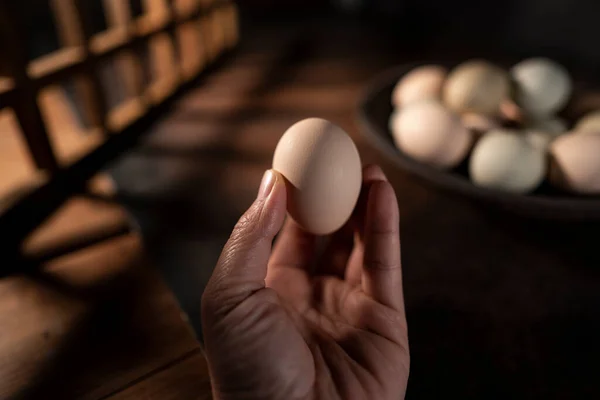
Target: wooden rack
x: 184, y: 38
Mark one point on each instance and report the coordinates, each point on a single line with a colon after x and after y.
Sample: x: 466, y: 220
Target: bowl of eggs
x: 507, y: 136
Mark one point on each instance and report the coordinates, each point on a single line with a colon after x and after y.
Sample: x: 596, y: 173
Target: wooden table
x: 97, y: 324
x: 499, y: 306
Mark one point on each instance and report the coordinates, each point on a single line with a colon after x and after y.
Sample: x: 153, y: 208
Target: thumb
x: 242, y: 267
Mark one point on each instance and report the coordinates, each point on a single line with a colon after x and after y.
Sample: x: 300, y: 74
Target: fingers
x: 242, y: 267
x: 354, y: 270
x: 334, y: 259
x: 372, y: 173
x: 294, y: 248
x: 382, y: 273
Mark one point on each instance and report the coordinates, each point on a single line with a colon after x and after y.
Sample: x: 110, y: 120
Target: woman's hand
x: 289, y: 323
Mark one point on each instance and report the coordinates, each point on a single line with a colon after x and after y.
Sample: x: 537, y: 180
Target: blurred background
x: 121, y: 178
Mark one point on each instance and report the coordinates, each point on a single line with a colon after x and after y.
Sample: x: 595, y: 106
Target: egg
x: 476, y: 86
x: 323, y: 174
x: 430, y: 133
x: 540, y: 139
x: 552, y: 125
x: 392, y: 120
x: 589, y: 123
x: 506, y: 160
x: 542, y: 86
x: 421, y: 83
x: 478, y: 123
x: 541, y: 132
x: 575, y: 163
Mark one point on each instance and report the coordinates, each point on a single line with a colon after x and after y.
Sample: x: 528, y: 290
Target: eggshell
x: 542, y: 86
x: 323, y: 174
x: 478, y: 123
x: 505, y: 160
x: 552, y: 125
x: 476, y: 86
x: 589, y: 123
x: 392, y: 120
x: 430, y: 133
x: 421, y: 83
x: 576, y: 163
x: 540, y: 139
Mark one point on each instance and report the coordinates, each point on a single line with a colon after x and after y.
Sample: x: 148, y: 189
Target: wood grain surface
x: 94, y: 324
x: 498, y: 306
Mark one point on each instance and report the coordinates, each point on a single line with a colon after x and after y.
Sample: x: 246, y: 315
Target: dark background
x: 563, y: 29
x: 499, y: 305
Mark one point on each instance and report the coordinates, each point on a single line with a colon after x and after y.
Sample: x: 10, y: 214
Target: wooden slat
x: 130, y: 69
x: 157, y: 16
x: 119, y: 16
x: 185, y: 8
x: 125, y: 114
x: 111, y: 40
x: 7, y: 92
x: 25, y: 106
x: 69, y: 15
x: 68, y: 24
x: 164, y: 68
x: 231, y: 24
x: 191, y: 49
x: 106, y: 44
x: 65, y: 60
x: 117, y: 12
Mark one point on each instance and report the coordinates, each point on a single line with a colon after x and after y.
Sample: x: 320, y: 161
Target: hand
x: 292, y: 324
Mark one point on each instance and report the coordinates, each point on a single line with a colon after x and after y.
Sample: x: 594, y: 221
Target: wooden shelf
x: 54, y: 66
x: 109, y: 41
x: 125, y: 114
x: 7, y: 90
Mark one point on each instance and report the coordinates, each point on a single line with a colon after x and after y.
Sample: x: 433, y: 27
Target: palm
x: 343, y: 329
x: 291, y: 322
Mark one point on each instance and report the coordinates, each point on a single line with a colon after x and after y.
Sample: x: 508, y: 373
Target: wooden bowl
x: 546, y: 202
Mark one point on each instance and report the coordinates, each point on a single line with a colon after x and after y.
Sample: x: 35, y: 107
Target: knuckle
x: 386, y: 229
x: 377, y: 263
x: 249, y: 224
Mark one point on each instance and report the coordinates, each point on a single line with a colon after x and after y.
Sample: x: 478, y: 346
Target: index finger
x: 382, y: 273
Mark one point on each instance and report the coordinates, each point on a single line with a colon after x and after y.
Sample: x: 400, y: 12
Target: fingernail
x: 268, y: 181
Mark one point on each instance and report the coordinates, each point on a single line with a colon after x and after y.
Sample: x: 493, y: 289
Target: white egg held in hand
x: 507, y: 161
x: 422, y: 83
x: 590, y: 123
x: 477, y: 87
x: 542, y: 87
x: 323, y: 174
x: 432, y: 134
x: 575, y: 163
